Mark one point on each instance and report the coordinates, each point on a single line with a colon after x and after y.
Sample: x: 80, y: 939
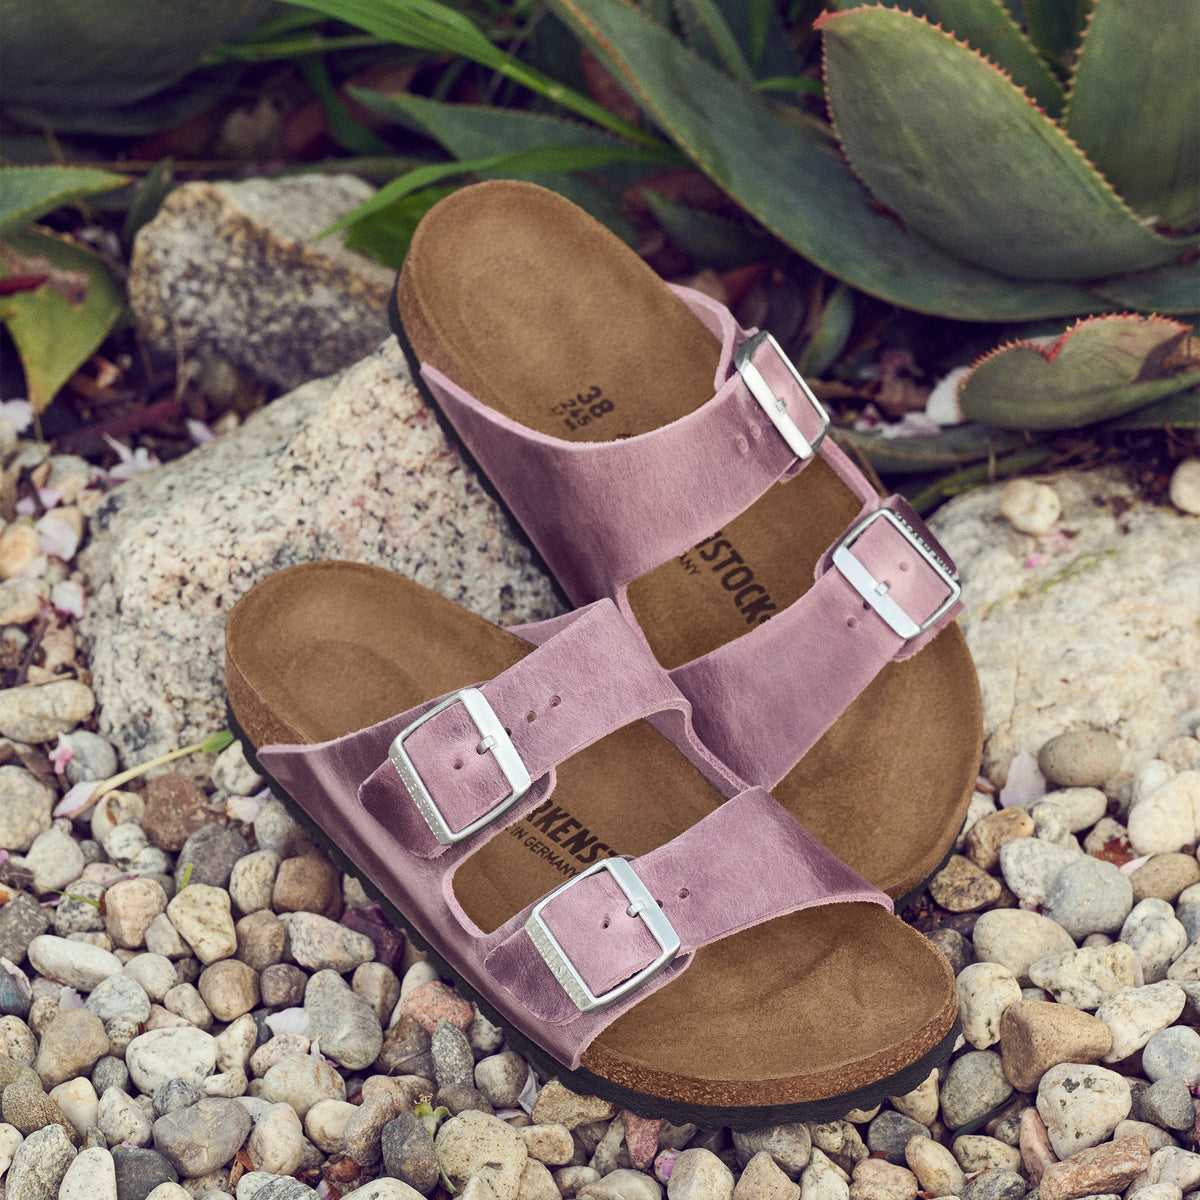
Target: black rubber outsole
x: 586, y: 1083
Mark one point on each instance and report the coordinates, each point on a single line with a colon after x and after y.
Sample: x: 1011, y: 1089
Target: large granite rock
x: 1097, y: 625
x: 234, y: 273
x: 354, y: 467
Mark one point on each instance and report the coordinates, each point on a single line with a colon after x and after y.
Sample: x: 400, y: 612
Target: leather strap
x: 603, y: 513
x: 745, y: 863
x: 593, y: 675
x: 761, y: 718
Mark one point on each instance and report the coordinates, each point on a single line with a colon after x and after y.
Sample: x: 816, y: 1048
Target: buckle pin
x: 492, y: 740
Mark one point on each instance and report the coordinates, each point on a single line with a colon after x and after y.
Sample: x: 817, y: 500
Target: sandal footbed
x: 800, y: 1009
x: 524, y: 301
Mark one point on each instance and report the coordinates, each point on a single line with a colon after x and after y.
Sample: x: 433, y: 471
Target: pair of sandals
x: 574, y: 815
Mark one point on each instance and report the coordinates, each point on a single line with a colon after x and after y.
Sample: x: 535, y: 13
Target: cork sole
x: 525, y: 301
x: 802, y: 1017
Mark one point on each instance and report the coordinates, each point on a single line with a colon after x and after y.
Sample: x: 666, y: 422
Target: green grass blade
x: 27, y: 193
x: 536, y: 161
x: 427, y: 25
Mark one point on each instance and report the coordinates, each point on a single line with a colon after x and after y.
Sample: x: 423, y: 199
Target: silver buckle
x: 492, y: 739
x: 641, y: 904
x: 774, y: 406
x: 874, y: 592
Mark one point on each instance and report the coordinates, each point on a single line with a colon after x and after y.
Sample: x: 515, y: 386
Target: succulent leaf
x: 1174, y: 288
x: 27, y: 193
x: 788, y: 176
x: 59, y: 324
x: 1099, y: 368
x: 1135, y: 105
x: 944, y: 451
x: 987, y: 26
x: 943, y: 138
x: 1054, y: 25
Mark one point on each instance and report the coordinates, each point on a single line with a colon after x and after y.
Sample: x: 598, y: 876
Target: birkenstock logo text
x: 718, y: 556
x: 584, y: 408
x: 564, y: 830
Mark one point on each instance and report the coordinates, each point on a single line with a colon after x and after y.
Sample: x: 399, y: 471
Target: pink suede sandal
x: 642, y: 924
x: 656, y: 453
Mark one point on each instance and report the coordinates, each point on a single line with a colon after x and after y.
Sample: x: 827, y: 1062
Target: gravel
x: 214, y: 1005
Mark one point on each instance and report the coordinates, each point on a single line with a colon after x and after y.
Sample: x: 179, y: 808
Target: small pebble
x: 1157, y: 937
x: 26, y: 809
x: 985, y: 991
x: 1018, y: 939
x: 203, y: 1136
x: 1184, y: 488
x: 922, y: 1102
x: 1168, y: 1103
x: 1089, y: 896
x: 1030, y: 866
x: 974, y: 1085
x: 877, y: 1179
x: 789, y: 1145
x: 474, y: 1143
x: 977, y: 1152
x: 300, y: 1080
x: 139, y: 1171
x: 39, y: 714
x: 1086, y: 977
x: 408, y: 1153
x: 699, y: 1174
x: 1080, y: 758
x: 1081, y: 1106
x: 202, y: 916
x: 762, y: 1179
x: 960, y: 886
x: 1029, y: 506
x: 990, y: 833
x: 1167, y: 819
x: 319, y: 944
x: 229, y: 988
x: 162, y: 1054
x: 276, y: 1143
x: 935, y: 1167
x: 998, y: 1183
x: 348, y: 1029
x: 309, y: 883
x: 39, y: 1165
x: 1102, y: 1170
x: 1173, y: 1053
x: 282, y: 985
x: 1164, y: 877
x: 890, y: 1132
x: 1036, y: 1035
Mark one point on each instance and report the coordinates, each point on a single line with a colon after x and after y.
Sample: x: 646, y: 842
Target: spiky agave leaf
x: 1135, y: 105
x: 791, y: 179
x: 1101, y: 367
x: 987, y: 26
x: 943, y: 138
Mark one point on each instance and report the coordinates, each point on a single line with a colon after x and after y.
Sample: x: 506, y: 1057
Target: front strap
x: 761, y: 718
x: 745, y: 863
x: 603, y: 513
x: 593, y: 675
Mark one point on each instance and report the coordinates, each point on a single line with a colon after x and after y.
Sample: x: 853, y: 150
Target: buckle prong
x: 492, y: 740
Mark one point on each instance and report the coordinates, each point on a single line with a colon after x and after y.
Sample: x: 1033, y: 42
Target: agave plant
x: 968, y: 163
